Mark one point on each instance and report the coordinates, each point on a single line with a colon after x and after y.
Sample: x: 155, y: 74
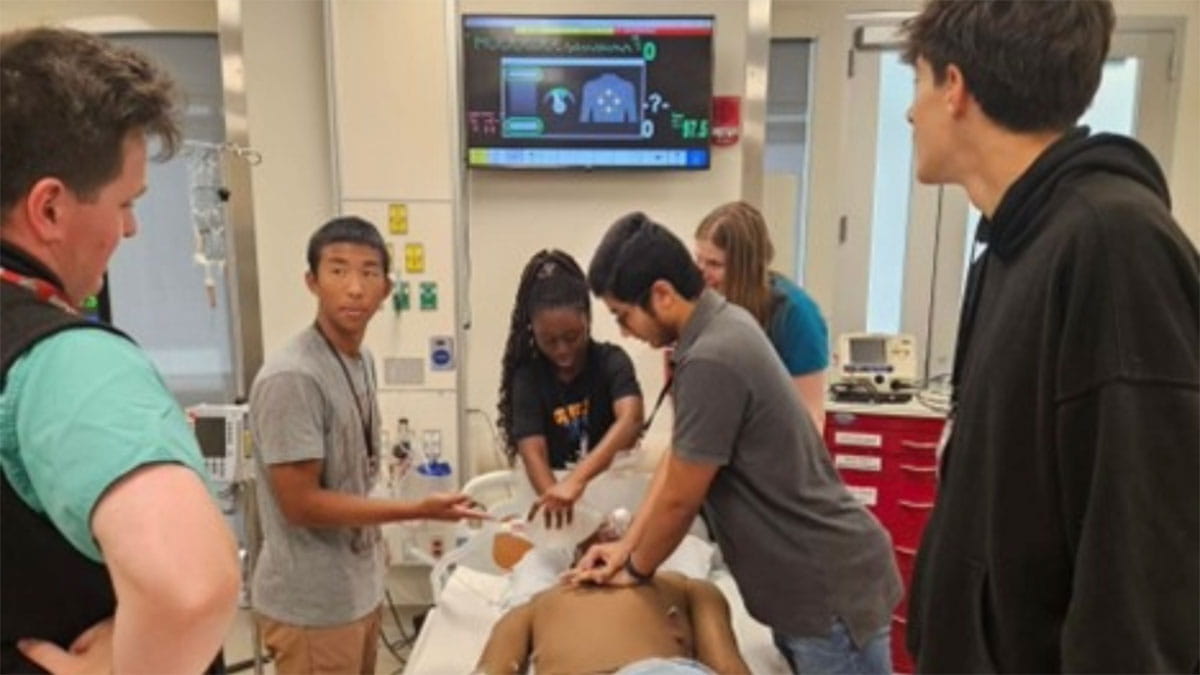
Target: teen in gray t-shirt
x: 302, y: 409
x: 319, y: 581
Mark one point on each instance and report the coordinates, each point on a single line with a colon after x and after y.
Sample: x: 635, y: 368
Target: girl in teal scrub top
x: 734, y: 253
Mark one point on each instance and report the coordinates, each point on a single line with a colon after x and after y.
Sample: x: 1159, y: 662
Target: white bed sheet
x: 456, y: 630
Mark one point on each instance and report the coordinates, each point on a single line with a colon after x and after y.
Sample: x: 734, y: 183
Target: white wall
x: 287, y: 111
x: 515, y: 214
x: 101, y: 15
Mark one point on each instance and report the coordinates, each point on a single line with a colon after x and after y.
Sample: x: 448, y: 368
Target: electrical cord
x: 935, y: 393
x: 405, y: 641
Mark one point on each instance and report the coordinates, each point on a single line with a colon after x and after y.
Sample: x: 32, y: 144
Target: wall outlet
x: 441, y: 353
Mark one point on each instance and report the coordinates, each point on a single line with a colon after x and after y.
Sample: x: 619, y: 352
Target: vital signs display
x: 587, y: 92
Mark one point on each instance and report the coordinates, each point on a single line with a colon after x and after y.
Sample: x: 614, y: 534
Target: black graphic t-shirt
x: 572, y: 414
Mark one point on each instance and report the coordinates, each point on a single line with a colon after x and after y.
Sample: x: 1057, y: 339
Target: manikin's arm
x: 507, y: 648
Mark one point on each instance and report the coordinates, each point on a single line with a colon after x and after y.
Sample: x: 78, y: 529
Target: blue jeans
x: 836, y: 653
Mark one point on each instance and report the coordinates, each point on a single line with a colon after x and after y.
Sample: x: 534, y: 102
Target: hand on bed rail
x: 452, y: 506
x: 557, y: 503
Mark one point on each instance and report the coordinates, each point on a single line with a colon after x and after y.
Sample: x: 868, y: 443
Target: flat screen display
x: 868, y: 351
x: 592, y: 92
x: 210, y: 434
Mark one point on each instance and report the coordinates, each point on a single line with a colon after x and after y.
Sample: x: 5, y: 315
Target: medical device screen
x: 210, y: 435
x: 587, y: 92
x: 868, y: 351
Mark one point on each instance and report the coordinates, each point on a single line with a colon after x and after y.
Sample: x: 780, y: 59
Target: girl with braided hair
x: 565, y: 399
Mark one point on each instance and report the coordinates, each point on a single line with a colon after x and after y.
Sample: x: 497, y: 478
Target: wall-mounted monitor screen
x: 587, y: 92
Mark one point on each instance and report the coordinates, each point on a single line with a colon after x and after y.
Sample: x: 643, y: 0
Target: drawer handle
x: 919, y: 445
x: 912, y: 468
x: 906, y: 551
x: 853, y: 439
x: 916, y: 506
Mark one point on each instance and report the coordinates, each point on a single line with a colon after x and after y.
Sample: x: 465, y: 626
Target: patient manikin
x: 673, y: 624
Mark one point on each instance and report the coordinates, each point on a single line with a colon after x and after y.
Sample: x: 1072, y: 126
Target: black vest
x: 48, y: 589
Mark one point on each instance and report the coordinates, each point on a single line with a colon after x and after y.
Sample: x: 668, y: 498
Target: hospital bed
x: 469, y: 589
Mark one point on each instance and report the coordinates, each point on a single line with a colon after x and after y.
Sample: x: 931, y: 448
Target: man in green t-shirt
x: 115, y: 558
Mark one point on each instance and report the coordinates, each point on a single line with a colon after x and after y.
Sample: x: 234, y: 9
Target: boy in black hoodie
x: 1065, y: 536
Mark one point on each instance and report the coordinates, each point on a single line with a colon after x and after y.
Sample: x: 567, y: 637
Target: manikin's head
x: 509, y: 546
x: 608, y: 531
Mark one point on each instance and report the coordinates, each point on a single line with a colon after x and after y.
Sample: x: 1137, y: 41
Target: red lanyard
x: 44, y: 290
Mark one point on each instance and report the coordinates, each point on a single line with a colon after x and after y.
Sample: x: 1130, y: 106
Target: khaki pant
x: 333, y: 650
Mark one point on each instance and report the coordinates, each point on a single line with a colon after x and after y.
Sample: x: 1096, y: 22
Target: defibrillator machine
x: 876, y: 367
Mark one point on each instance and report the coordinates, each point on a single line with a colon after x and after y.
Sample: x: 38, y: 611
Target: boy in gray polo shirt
x: 809, y: 560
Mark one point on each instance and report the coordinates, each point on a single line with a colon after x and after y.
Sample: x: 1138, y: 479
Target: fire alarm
x: 726, y: 119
